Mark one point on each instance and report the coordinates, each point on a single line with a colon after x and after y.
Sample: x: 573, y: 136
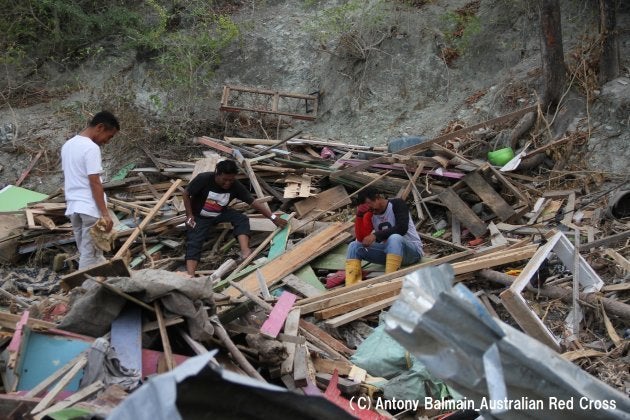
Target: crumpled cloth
x: 103, y: 364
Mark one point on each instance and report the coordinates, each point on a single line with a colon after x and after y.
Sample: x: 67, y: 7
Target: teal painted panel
x: 44, y: 355
x: 279, y: 242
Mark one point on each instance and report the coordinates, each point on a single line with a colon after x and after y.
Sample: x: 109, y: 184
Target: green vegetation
x: 459, y: 28
x: 183, y: 39
x: 62, y: 30
x: 356, y: 27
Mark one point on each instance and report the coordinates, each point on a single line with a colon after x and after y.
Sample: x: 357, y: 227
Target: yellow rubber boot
x: 353, y: 272
x: 392, y: 263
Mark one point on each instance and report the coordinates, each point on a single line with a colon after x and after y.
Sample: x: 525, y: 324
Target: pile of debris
x: 530, y: 245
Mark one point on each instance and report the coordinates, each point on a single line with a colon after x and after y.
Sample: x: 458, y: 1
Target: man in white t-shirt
x: 85, y: 198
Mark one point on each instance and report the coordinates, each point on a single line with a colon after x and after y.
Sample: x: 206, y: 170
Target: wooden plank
x: 254, y: 182
x: 619, y: 259
x: 300, y: 366
x: 616, y: 287
x: 16, y: 343
x: 351, y: 296
x: 297, y: 186
x: 150, y: 186
x: 495, y: 235
x: 412, y: 181
x: 126, y: 337
x: 28, y: 169
x: 351, y: 306
x: 310, y: 248
x: 441, y: 241
x: 262, y: 285
x: 166, y: 344
x: 291, y: 327
x: 324, y: 337
x: 328, y: 200
x: 550, y: 210
x: 63, y: 382
x: 206, y: 164
x: 357, y: 374
x: 494, y: 259
x: 147, y: 219
x: 153, y: 325
x: 459, y: 209
x: 275, y: 321
x: 8, y: 321
x: 45, y: 221
x: 606, y: 241
x: 329, y: 366
x: 361, y: 312
x: 340, y: 162
x: 489, y: 196
x: 569, y: 209
x: 210, y: 142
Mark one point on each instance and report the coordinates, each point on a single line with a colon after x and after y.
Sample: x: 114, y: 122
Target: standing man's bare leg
x: 191, y: 267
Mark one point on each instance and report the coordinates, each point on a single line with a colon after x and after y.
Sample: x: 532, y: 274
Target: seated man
x: 206, y: 201
x: 394, y: 241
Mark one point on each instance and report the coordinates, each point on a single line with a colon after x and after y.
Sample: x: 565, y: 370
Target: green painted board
x: 70, y: 414
x: 14, y: 198
x: 120, y: 175
x: 279, y: 242
x: 307, y: 275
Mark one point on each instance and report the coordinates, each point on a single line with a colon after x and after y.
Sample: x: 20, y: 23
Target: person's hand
x: 108, y: 223
x: 362, y: 209
x: 278, y: 221
x: 369, y: 240
x: 190, y: 221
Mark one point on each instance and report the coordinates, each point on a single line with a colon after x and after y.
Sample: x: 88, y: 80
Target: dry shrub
x: 472, y: 99
x: 449, y: 55
x: 583, y: 65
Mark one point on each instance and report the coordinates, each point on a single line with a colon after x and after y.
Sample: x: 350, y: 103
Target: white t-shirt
x: 80, y: 157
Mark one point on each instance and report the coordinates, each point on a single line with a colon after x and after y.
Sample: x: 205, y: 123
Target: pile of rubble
x: 543, y: 251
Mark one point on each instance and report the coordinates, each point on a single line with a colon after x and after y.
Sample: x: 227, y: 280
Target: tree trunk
x: 554, y: 69
x: 609, y: 61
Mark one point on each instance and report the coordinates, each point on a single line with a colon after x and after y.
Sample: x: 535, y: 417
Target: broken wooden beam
x: 460, y: 209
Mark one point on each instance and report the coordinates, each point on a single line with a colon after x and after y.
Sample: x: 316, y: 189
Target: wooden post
x: 147, y: 219
x: 168, y: 353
